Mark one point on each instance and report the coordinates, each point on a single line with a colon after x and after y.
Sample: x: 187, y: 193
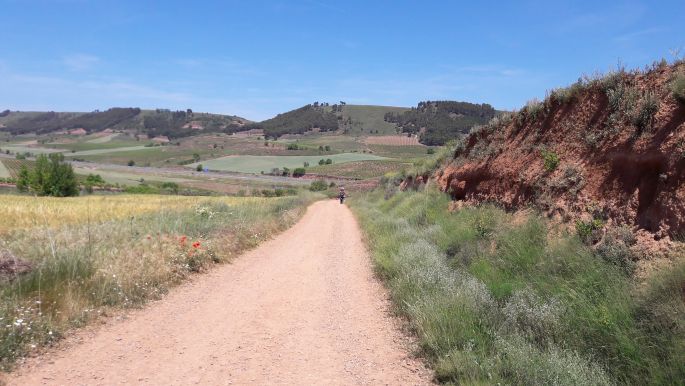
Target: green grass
x: 370, y: 118
x: 257, y: 164
x: 498, y: 298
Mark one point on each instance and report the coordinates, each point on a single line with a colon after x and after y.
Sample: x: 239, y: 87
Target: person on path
x: 342, y: 194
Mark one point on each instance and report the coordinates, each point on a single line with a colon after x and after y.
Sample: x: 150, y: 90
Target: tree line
x: 441, y: 120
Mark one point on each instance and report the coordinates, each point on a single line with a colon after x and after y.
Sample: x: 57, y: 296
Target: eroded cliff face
x: 609, y: 148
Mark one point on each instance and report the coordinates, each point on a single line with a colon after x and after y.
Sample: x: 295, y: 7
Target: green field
x: 370, y: 118
x: 359, y: 169
x: 110, y: 150
x: 4, y: 172
x: 257, y: 164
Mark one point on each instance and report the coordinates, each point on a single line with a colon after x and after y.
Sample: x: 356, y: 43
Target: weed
x: 644, y: 115
x: 677, y: 87
x: 551, y: 160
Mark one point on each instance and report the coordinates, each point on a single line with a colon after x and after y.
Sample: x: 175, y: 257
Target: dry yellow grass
x: 19, y: 212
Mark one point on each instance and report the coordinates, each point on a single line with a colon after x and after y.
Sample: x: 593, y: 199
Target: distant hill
x: 367, y: 119
x: 173, y: 124
x: 435, y: 121
x: 439, y: 121
x: 350, y: 119
x: 298, y: 121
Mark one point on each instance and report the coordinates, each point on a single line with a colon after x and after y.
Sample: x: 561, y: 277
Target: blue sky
x: 258, y: 58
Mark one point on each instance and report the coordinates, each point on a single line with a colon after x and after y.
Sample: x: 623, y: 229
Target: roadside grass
x: 92, y: 255
x: 502, y: 298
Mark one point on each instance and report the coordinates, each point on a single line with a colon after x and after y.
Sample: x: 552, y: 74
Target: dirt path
x: 303, y: 308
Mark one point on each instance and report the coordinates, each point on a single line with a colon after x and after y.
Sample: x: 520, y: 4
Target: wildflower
x: 196, y: 244
x: 182, y: 240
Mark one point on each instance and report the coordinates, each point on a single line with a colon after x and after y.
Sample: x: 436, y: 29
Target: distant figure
x: 342, y: 195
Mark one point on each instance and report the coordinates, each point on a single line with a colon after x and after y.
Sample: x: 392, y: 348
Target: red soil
x: 628, y: 177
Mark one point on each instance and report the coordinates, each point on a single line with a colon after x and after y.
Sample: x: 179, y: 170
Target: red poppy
x: 183, y: 239
x: 196, y: 244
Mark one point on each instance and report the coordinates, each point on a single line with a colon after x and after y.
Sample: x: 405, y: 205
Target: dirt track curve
x: 303, y: 308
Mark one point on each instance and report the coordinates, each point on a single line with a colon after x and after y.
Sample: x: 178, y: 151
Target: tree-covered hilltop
x: 299, y: 121
x: 173, y: 124
x: 440, y: 121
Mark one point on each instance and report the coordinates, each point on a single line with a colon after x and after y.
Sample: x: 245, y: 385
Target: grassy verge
x: 116, y: 252
x: 502, y: 298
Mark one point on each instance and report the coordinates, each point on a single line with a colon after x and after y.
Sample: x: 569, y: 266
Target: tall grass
x: 499, y: 298
x: 103, y: 257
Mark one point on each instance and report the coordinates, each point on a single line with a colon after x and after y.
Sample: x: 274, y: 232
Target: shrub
x: 677, y: 86
x: 550, y: 159
x: 318, y: 186
x: 293, y: 146
x: 131, y: 163
x: 199, y: 168
x: 644, y: 116
x: 329, y: 161
x: 586, y: 229
x: 430, y: 151
x: 299, y: 172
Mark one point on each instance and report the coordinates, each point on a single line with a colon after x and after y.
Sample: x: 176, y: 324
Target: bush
x: 299, y: 172
x: 131, y: 163
x: 293, y: 146
x: 329, y: 161
x: 678, y: 87
x: 550, y: 159
x: 318, y: 186
x: 644, y: 117
x: 199, y: 168
x: 50, y: 177
x: 430, y: 151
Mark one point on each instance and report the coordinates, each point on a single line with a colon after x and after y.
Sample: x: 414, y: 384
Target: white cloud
x: 80, y: 62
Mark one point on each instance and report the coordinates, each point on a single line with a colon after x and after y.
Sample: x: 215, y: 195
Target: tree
x: 199, y: 168
x: 131, y: 163
x: 299, y: 172
x: 322, y: 161
x: 329, y: 161
x: 306, y: 164
x: 50, y: 177
x: 24, y: 179
x: 327, y: 148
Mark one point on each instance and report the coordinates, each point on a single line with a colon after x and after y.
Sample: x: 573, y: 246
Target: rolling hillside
x: 173, y: 124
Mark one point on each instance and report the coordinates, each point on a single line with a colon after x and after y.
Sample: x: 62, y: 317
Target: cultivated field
x: 257, y: 164
x: 4, y: 172
x: 393, y: 140
x: 359, y: 169
x: 82, y: 257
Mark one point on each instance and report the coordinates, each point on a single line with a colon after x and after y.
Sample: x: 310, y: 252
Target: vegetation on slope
x: 83, y: 256
x: 299, y: 121
x: 499, y: 298
x: 173, y: 124
x: 607, y: 148
x: 440, y: 121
